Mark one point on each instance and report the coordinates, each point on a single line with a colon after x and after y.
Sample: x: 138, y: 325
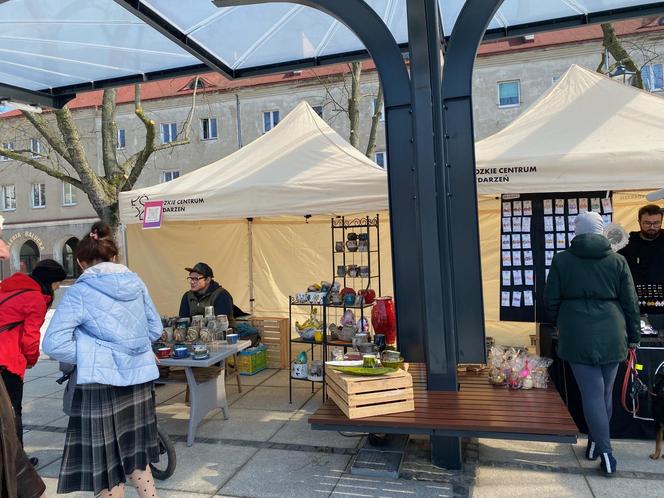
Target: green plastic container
x: 252, y: 360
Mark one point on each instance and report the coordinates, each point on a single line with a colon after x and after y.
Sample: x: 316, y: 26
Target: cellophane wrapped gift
x: 510, y: 366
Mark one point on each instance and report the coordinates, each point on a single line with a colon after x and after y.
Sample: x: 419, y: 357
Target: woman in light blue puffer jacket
x: 105, y: 325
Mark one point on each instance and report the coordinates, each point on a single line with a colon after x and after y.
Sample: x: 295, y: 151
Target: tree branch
x: 353, y: 105
x: 109, y: 133
x: 615, y: 48
x: 46, y: 131
x: 133, y: 167
x: 41, y: 167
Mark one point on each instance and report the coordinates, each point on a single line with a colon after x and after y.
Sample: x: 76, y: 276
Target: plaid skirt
x: 112, y: 432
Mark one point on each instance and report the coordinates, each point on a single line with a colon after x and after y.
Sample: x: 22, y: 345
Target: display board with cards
x: 534, y: 228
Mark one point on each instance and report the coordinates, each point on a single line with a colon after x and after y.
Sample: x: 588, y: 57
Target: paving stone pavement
x: 267, y: 449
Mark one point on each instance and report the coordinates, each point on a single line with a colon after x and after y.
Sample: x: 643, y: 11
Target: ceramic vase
x: 383, y: 319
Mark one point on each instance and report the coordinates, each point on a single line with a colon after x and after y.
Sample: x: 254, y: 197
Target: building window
x: 35, y: 148
x: 122, y: 142
x: 8, y: 197
x: 69, y: 258
x: 554, y: 79
x: 209, y: 129
x: 38, y: 195
x: 167, y: 176
x: 6, y: 146
x: 169, y: 131
x: 381, y: 159
x: 69, y: 197
x: 28, y: 256
x: 653, y: 77
x: 270, y: 120
x: 509, y: 94
x: 374, y: 102
x: 318, y: 109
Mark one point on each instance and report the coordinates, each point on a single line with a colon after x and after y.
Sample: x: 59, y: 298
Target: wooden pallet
x: 274, y: 334
x: 361, y: 397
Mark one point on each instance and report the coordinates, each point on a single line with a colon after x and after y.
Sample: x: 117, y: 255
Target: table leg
x: 204, y: 397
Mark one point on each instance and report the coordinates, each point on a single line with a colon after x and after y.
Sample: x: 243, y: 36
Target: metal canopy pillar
x: 458, y: 181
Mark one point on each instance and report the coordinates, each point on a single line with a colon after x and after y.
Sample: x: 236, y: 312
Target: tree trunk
x: 354, y: 105
x: 375, y: 119
x: 618, y: 52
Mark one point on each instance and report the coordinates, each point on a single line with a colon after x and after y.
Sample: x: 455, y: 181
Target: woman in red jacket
x: 24, y: 300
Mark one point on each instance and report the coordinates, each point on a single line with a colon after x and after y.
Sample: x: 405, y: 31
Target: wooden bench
x: 478, y: 409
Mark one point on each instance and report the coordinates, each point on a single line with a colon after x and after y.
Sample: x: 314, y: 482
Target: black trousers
x: 14, y: 386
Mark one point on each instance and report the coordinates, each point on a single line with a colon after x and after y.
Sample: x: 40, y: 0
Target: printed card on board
x: 549, y: 241
x: 560, y: 223
x: 505, y: 299
x: 548, y: 206
x: 560, y: 206
x: 528, y: 298
x: 548, y: 223
x: 516, y: 258
x: 572, y: 206
x: 516, y: 241
x: 529, y: 277
x: 560, y: 241
x: 525, y: 241
x: 527, y: 258
x: 507, y: 278
x: 507, y: 209
x: 516, y: 299
x: 571, y: 222
x: 516, y: 224
x: 548, y: 257
x: 606, y: 205
x: 518, y: 277
x: 507, y: 225
x: 506, y: 244
x: 583, y: 205
x: 517, y: 208
x: 525, y: 225
x: 527, y: 208
x: 507, y: 258
x: 595, y: 205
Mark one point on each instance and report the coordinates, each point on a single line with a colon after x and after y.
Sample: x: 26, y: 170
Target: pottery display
x: 205, y: 335
x: 383, y: 319
x: 369, y: 295
x: 192, y: 334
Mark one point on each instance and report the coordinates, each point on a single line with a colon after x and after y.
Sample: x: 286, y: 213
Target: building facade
x: 45, y: 217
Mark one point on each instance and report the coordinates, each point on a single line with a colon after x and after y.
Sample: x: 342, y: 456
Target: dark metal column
x: 425, y: 43
x: 461, y: 232
x: 406, y: 235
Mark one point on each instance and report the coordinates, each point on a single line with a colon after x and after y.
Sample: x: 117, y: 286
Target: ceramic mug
x: 200, y: 349
x: 352, y: 236
x: 363, y: 236
x: 391, y: 356
x: 363, y: 246
x: 341, y: 271
x: 352, y: 245
x: 231, y: 338
x: 339, y: 246
x: 352, y: 271
x: 363, y: 271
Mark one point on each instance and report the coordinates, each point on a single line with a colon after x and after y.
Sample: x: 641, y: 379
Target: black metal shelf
x: 369, y: 226
x: 307, y: 380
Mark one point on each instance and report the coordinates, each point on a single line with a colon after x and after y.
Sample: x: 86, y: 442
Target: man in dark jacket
x: 591, y: 298
x: 205, y: 292
x: 645, y: 251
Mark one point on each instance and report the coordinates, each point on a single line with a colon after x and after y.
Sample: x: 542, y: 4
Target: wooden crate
x: 360, y: 397
x: 274, y: 334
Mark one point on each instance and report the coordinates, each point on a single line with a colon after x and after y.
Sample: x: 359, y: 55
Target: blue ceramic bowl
x: 180, y: 352
x: 231, y: 338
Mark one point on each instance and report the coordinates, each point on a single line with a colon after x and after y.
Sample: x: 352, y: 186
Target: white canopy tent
x: 586, y: 133
x: 260, y: 216
x: 301, y: 167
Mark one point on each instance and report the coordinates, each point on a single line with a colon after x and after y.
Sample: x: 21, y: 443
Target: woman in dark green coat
x: 590, y: 297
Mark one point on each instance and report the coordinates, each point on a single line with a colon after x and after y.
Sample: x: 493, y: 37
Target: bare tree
x: 613, y: 46
x: 351, y: 106
x: 69, y: 162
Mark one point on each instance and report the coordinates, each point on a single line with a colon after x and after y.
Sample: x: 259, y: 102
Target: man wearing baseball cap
x: 205, y: 292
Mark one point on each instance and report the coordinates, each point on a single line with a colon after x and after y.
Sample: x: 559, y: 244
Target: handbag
x: 10, y: 326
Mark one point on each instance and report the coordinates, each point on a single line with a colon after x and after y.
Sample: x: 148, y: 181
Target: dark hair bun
x: 101, y: 230
x: 98, y: 245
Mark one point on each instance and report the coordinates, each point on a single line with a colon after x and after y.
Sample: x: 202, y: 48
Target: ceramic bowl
x: 163, y: 352
x: 180, y: 352
x: 231, y: 338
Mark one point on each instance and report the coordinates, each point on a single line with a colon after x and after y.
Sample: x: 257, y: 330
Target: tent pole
x: 250, y: 234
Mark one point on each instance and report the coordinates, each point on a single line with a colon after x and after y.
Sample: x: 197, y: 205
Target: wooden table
x: 478, y: 409
x: 205, y: 395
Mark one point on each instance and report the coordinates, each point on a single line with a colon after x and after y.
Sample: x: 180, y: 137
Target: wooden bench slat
x: 478, y: 407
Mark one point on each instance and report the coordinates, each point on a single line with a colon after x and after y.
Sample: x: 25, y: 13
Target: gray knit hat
x: 589, y: 222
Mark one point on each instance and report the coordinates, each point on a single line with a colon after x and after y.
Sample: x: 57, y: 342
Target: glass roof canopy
x: 63, y: 46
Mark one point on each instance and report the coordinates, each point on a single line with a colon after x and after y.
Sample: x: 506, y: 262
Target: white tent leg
x: 250, y: 235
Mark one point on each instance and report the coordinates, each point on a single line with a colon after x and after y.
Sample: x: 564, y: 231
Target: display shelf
x: 366, y: 231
